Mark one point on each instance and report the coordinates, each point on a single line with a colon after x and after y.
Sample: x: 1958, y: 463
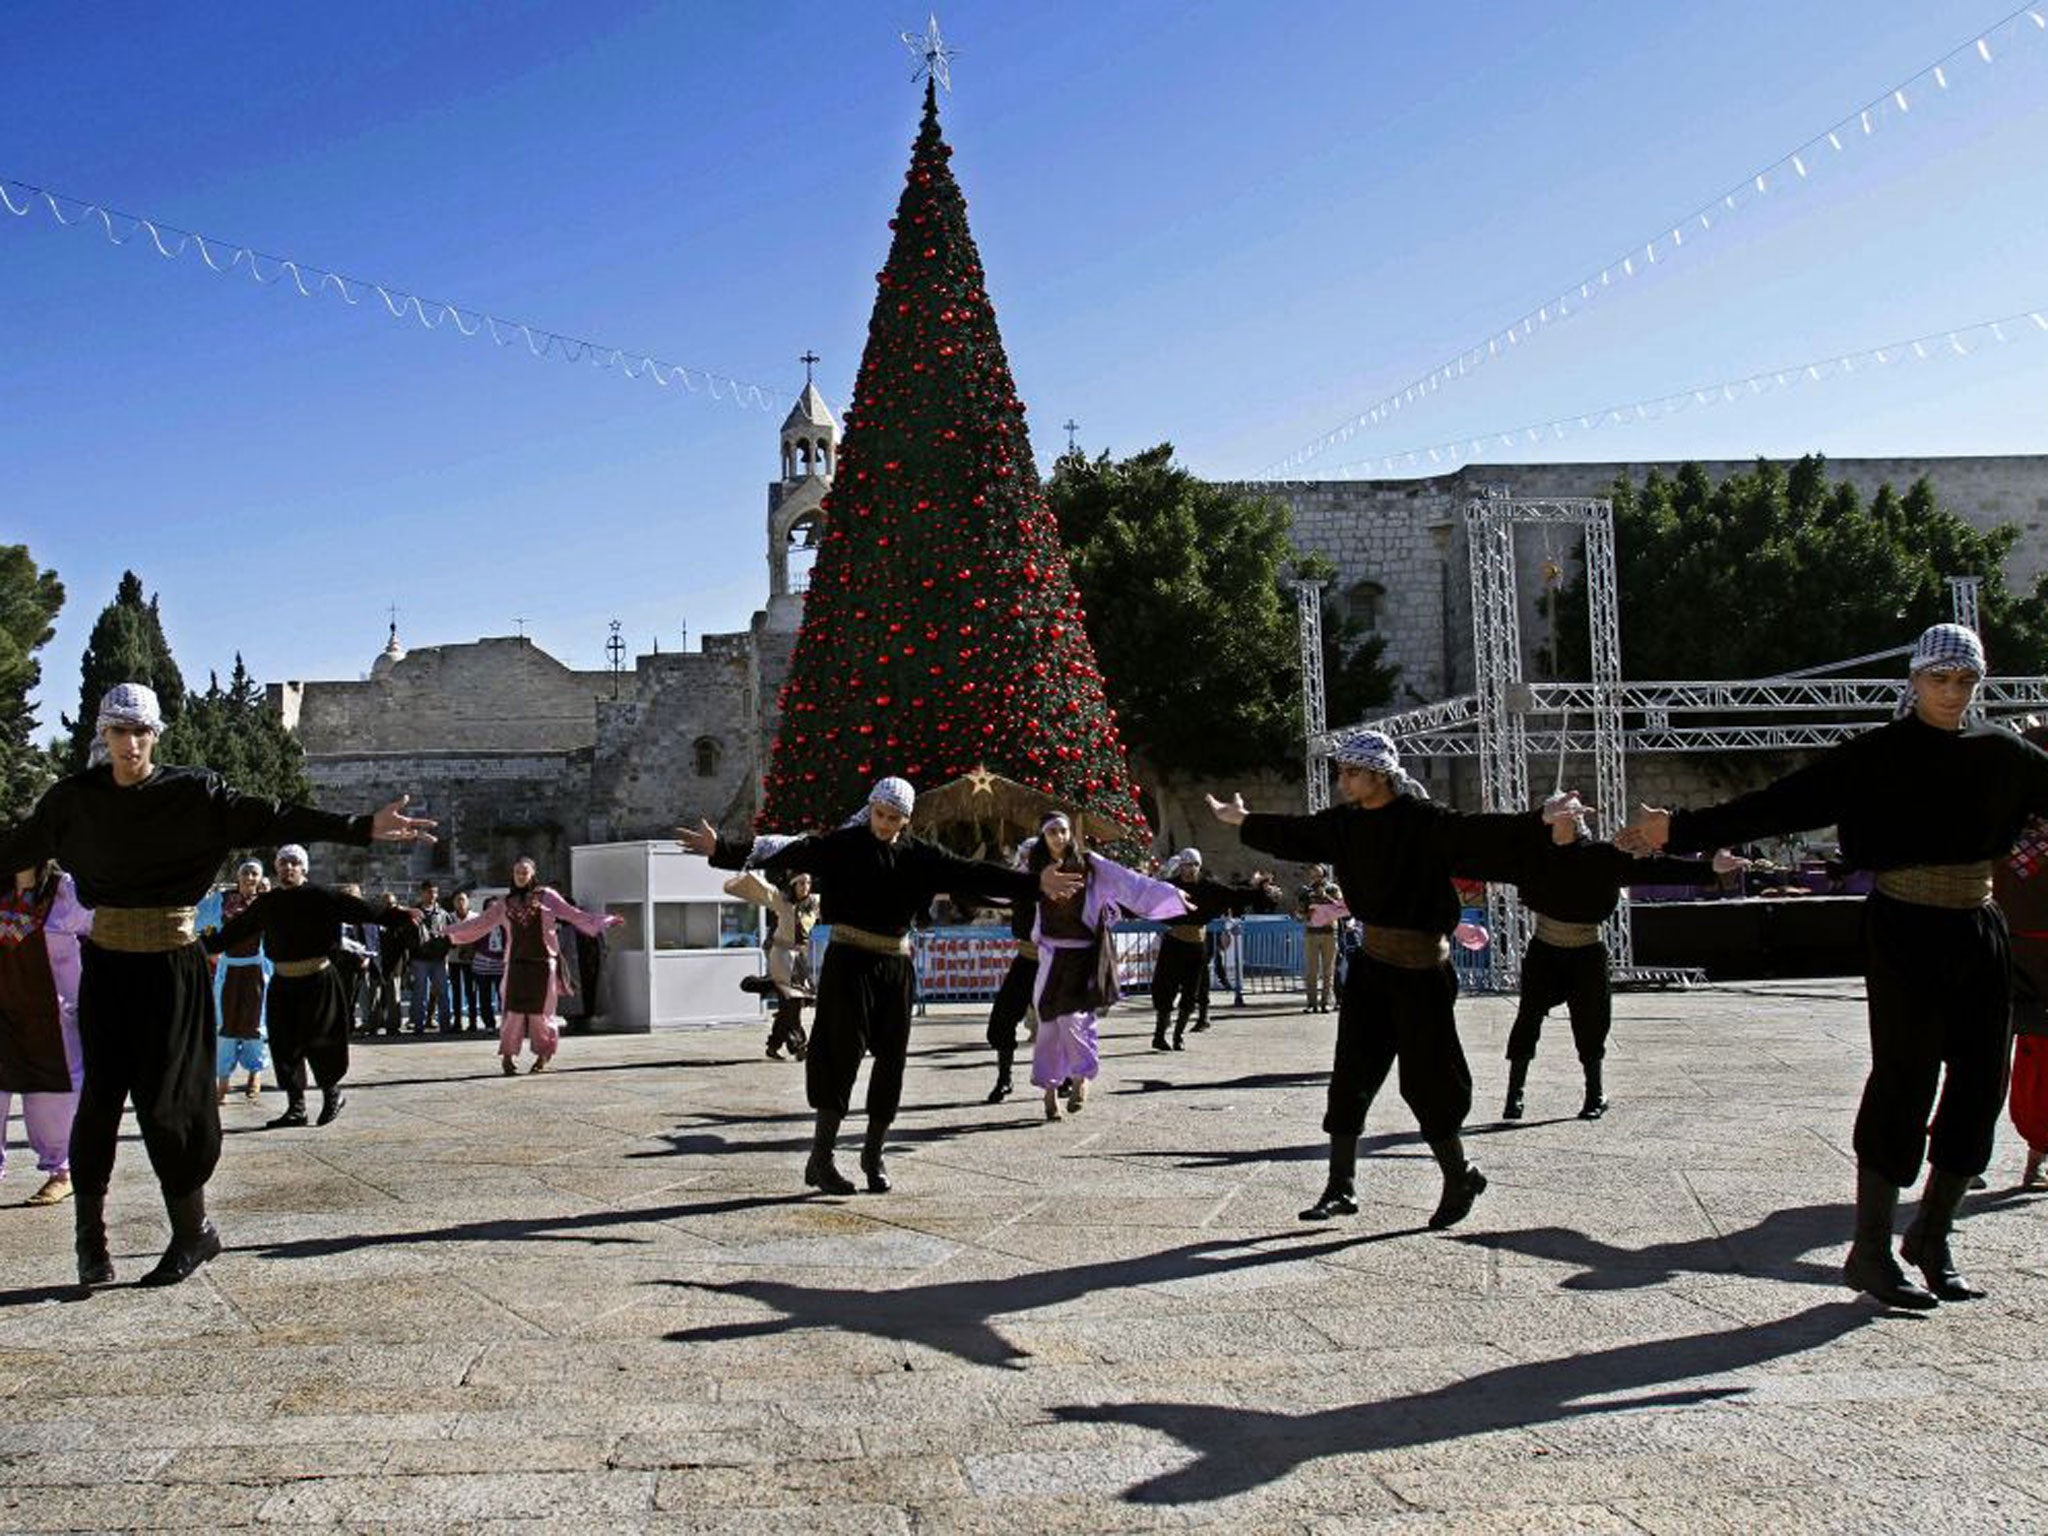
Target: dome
x: 392, y: 654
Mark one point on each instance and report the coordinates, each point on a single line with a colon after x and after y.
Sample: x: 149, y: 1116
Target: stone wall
x: 491, y: 806
x: 495, y: 695
x: 684, y: 742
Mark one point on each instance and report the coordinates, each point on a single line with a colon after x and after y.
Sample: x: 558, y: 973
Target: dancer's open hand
x: 1058, y: 884
x: 391, y: 825
x: 1726, y: 863
x: 1648, y: 833
x: 1231, y: 813
x: 702, y: 839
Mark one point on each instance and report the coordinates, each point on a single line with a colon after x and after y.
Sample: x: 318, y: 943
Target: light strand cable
x: 1894, y: 102
x: 1960, y: 341
x: 21, y: 198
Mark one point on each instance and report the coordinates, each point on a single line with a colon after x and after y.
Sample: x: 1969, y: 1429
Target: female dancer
x: 41, y: 923
x: 1077, y: 957
x: 528, y: 915
x: 241, y: 976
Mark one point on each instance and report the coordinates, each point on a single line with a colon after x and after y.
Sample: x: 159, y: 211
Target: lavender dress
x: 1077, y: 965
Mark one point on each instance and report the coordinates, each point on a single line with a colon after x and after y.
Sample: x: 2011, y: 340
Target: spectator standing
x: 462, y: 974
x: 430, y: 963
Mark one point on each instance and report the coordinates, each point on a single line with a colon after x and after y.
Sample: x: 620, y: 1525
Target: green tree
x: 234, y: 732
x: 942, y: 629
x: 30, y: 600
x: 1183, y: 582
x: 1779, y: 568
x: 127, y: 646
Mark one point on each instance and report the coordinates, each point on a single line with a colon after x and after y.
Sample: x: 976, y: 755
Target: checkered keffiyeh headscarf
x: 895, y: 793
x: 125, y: 704
x: 1943, y: 645
x: 1363, y: 748
x: 1187, y: 858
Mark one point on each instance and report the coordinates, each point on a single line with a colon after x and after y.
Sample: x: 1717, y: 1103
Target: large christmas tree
x: 942, y: 633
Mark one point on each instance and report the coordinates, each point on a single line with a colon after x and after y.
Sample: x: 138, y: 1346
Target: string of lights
x: 226, y: 257
x: 1962, y: 341
x: 1893, y: 105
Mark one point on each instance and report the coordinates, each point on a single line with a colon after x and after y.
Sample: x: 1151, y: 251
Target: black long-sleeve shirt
x: 1210, y: 899
x: 301, y: 922
x: 1906, y: 793
x: 877, y: 886
x: 1394, y: 863
x: 158, y: 843
x: 1582, y: 881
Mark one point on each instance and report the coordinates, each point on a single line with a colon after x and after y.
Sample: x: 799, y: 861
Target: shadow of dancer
x: 957, y: 1316
x: 1240, y: 1449
x: 1774, y: 1247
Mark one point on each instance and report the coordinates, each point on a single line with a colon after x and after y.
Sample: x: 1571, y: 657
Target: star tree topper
x: 935, y: 58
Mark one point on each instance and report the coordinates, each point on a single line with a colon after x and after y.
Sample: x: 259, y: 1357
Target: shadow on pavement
x: 957, y: 1316
x: 521, y: 1229
x: 1772, y: 1248
x: 1240, y: 1449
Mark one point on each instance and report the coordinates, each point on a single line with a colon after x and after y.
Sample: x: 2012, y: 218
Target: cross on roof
x: 810, y: 360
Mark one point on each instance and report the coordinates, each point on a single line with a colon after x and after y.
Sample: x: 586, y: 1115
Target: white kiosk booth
x: 685, y: 944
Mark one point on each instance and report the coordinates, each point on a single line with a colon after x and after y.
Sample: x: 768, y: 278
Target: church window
x: 1365, y: 603
x: 706, y: 754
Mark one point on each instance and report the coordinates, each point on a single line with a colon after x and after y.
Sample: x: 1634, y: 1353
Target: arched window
x: 802, y: 541
x: 1364, y: 603
x: 706, y: 754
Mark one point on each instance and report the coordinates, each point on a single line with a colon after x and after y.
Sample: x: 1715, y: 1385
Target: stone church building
x: 514, y: 752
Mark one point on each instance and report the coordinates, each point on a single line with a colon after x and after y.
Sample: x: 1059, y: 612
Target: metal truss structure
x: 1308, y: 608
x: 1507, y: 719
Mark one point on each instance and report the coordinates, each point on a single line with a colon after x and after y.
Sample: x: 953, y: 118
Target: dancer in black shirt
x: 1930, y: 803
x: 144, y: 844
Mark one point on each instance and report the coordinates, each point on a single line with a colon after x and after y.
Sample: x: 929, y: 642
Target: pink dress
x: 533, y: 958
x: 39, y: 1054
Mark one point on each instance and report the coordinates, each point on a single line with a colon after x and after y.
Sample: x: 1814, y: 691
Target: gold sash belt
x: 1960, y: 887
x: 144, y: 930
x: 1188, y: 933
x: 873, y: 943
x: 1026, y: 950
x: 1409, y: 949
x: 297, y: 968
x: 1559, y: 934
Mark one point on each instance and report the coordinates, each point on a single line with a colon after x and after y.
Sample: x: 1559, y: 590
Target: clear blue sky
x: 1228, y: 225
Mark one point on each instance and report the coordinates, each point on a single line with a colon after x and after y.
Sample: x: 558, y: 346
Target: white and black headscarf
x: 1375, y: 750
x: 1943, y: 645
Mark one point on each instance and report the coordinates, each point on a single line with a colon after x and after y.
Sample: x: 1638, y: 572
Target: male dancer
x: 1573, y: 884
x: 1394, y: 851
x: 300, y: 925
x: 1930, y: 802
x: 143, y: 843
x: 1013, y: 997
x: 874, y: 878
x: 795, y: 914
x: 1180, y: 978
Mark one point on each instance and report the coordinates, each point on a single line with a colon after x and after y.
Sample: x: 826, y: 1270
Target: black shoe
x: 1159, y: 1042
x: 774, y: 1053
x: 1000, y: 1092
x: 331, y: 1104
x: 181, y: 1259
x: 1594, y: 1107
x: 1178, y: 1038
x: 1512, y: 1109
x: 877, y: 1173
x: 193, y: 1240
x: 1877, y: 1274
x: 821, y: 1174
x: 1201, y: 1025
x: 1331, y: 1203
x: 1459, y: 1193
x: 1926, y: 1244
x: 294, y: 1114
x: 95, y: 1263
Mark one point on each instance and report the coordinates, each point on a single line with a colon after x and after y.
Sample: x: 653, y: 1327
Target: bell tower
x: 796, y: 524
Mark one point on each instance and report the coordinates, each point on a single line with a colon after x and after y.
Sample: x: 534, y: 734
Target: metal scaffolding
x: 1308, y: 608
x: 1506, y: 718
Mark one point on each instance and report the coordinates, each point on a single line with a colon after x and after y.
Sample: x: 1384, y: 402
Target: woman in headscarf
x: 533, y: 961
x: 41, y: 923
x: 1076, y: 977
x: 240, y: 977
x: 1929, y: 802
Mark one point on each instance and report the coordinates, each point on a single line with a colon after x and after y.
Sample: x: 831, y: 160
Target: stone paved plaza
x: 595, y: 1300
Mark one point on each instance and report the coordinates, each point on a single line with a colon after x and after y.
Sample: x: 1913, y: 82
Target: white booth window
x: 687, y: 924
